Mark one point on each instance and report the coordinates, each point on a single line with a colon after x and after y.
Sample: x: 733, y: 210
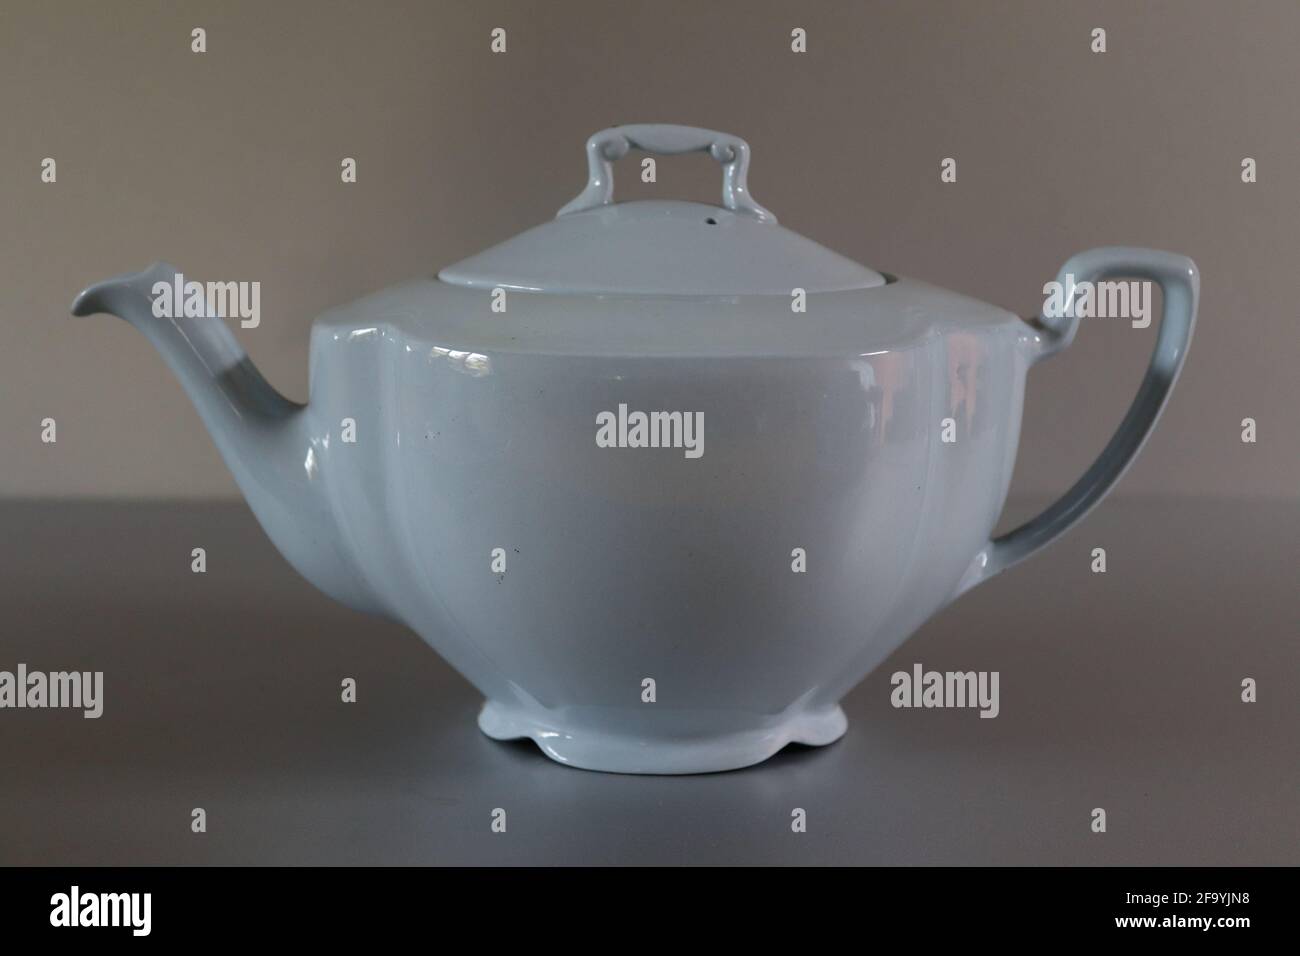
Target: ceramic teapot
x: 663, y: 480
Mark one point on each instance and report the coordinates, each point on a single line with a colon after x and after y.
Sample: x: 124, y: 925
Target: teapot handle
x: 667, y: 139
x: 1179, y: 283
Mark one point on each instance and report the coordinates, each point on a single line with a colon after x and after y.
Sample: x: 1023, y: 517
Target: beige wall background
x: 227, y: 164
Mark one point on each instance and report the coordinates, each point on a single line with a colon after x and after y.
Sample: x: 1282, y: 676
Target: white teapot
x: 663, y: 480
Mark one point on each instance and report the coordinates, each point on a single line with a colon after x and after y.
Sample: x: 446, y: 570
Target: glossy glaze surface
x: 822, y: 431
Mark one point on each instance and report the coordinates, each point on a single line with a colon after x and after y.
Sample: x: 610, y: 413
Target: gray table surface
x: 1118, y: 690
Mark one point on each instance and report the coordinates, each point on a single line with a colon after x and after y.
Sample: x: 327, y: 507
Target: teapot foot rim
x: 588, y: 748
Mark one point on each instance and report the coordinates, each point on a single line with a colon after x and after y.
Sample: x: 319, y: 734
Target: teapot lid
x: 662, y: 247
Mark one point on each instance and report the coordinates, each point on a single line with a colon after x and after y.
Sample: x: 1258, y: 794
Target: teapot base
x: 616, y: 751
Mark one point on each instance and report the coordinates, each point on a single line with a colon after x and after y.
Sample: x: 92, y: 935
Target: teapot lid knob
x: 609, y: 145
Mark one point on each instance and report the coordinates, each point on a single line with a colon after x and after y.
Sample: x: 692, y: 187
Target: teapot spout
x: 266, y: 440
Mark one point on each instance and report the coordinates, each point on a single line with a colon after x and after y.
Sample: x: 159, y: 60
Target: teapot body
x: 778, y: 527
